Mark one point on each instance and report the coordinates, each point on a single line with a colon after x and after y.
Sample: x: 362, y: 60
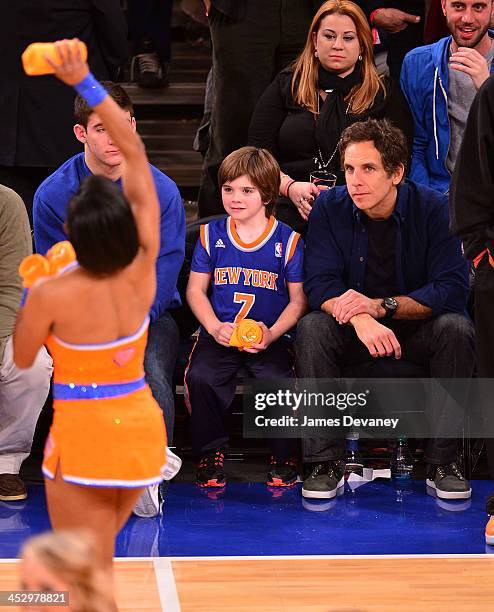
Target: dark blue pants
x: 159, y: 364
x: 210, y: 382
x: 151, y: 19
x: 484, y: 343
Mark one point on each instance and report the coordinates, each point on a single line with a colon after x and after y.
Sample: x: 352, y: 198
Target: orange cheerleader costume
x: 107, y: 430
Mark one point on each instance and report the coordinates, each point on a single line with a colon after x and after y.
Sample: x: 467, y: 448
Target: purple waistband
x: 72, y: 391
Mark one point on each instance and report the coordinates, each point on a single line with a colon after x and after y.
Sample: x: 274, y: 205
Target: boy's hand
x: 222, y: 333
x: 267, y: 338
x: 72, y: 68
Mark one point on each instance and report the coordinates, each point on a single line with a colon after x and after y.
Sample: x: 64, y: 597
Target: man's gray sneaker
x: 324, y: 480
x: 448, y: 481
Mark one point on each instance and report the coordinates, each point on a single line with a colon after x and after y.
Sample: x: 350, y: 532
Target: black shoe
x: 489, y: 505
x: 324, y: 480
x: 448, y: 481
x: 148, y: 71
x: 282, y: 474
x: 12, y: 488
x: 210, y: 471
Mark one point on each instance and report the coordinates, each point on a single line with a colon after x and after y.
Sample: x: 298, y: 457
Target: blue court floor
x: 250, y: 519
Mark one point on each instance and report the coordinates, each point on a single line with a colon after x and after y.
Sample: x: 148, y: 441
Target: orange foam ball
x: 33, y: 268
x: 247, y: 333
x: 33, y: 58
x: 60, y: 255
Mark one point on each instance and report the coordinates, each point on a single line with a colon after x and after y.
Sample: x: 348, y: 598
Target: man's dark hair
x: 82, y: 111
x: 388, y: 140
x: 101, y: 226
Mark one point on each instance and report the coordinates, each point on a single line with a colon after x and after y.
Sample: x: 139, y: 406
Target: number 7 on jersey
x: 247, y: 300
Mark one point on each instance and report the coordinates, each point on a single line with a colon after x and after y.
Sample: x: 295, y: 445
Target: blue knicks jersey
x: 249, y: 280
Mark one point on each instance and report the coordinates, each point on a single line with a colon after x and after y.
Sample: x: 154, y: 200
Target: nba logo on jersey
x: 277, y: 249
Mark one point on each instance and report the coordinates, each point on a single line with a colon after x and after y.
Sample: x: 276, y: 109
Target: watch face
x: 390, y: 303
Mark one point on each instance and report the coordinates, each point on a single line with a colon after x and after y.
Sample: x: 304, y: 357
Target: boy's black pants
x: 210, y: 382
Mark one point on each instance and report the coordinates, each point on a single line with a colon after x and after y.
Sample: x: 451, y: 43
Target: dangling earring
x: 359, y: 58
x: 315, y: 53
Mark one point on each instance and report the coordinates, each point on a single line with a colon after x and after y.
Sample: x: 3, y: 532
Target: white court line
x: 331, y: 557
x: 296, y: 557
x: 167, y: 588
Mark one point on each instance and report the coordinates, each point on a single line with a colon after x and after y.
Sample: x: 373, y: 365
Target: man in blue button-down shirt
x: 385, y: 278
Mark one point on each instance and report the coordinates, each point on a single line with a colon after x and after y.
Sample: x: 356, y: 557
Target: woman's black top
x: 294, y: 136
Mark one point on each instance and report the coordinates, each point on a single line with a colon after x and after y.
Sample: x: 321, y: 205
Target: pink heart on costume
x: 123, y: 356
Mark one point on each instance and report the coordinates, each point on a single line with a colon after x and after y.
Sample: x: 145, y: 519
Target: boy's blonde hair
x: 260, y: 166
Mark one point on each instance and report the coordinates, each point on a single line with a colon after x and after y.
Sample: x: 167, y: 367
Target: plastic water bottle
x: 402, y: 463
x: 354, y: 464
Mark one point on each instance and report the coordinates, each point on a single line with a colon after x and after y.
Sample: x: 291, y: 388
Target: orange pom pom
x: 33, y: 268
x: 33, y: 58
x: 247, y: 333
x: 60, y: 255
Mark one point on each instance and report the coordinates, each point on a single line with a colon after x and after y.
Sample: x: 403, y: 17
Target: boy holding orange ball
x: 246, y: 290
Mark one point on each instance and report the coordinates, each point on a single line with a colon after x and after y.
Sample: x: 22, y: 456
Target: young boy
x: 248, y: 265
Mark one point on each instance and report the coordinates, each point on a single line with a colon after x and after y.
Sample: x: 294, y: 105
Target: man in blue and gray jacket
x: 440, y: 82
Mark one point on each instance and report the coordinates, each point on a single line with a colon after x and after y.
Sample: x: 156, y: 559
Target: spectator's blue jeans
x: 159, y: 365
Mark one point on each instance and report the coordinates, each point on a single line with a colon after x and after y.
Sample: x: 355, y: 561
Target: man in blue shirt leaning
x: 50, y: 204
x: 385, y: 278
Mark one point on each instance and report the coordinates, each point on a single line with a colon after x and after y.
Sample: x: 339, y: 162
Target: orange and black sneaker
x: 282, y: 473
x: 210, y: 471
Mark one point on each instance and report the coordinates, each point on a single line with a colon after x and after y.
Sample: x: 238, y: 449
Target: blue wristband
x: 24, y: 296
x: 91, y: 90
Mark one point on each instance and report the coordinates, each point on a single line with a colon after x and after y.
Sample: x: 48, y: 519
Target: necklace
x: 319, y: 162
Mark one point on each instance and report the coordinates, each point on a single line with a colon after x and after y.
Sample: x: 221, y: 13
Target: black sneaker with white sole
x: 448, y: 481
x: 148, y: 71
x: 324, y: 480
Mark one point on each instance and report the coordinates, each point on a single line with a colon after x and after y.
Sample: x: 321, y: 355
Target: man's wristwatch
x: 390, y: 305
